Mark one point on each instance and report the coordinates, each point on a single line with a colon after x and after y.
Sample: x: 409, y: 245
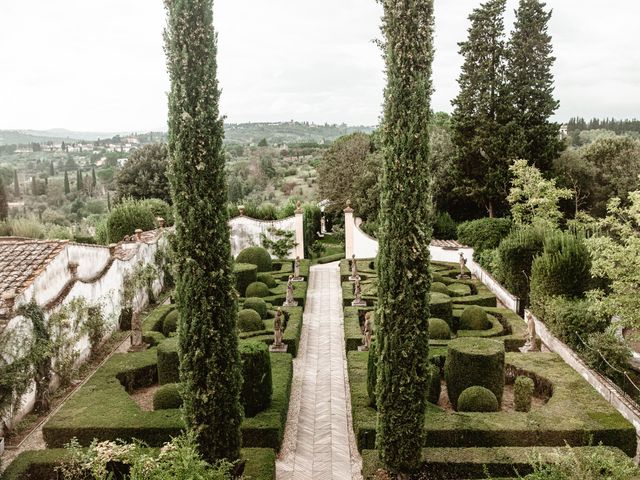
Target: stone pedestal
x: 357, y: 278
x: 363, y: 348
x: 297, y: 279
x: 463, y: 276
x: 291, y: 303
x: 278, y: 348
x: 361, y: 303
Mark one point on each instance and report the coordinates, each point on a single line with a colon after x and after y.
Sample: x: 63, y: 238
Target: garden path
x: 319, y: 441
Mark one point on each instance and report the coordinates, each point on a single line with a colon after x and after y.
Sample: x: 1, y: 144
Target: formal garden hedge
x: 257, y: 256
x: 41, y: 464
x: 103, y: 408
x: 246, y: 274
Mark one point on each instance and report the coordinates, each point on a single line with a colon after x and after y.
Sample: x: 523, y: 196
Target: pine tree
x: 79, y: 182
x: 482, y: 161
x: 530, y: 86
x: 208, y: 340
x: 403, y: 262
x: 4, y: 204
x: 67, y: 189
x: 16, y: 184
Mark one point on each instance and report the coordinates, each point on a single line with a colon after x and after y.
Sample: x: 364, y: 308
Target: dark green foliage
x: 372, y: 372
x: 4, y: 204
x: 312, y: 216
x: 257, y: 256
x: 246, y: 274
x: 458, y: 290
x: 210, y: 368
x: 474, y: 362
x: 160, y: 209
x: 445, y: 227
x: 16, y: 184
x: 439, y: 329
x: 257, y: 289
x: 402, y: 330
x: 124, y: 219
x: 523, y: 392
x: 265, y: 278
x: 257, y: 387
x: 440, y: 288
x: 483, y: 234
x: 477, y: 399
x: 435, y: 384
x: 570, y: 320
x: 144, y: 175
x: 257, y: 304
x: 167, y: 397
x: 249, y: 321
x: 474, y: 318
x: 168, y: 362
x: 170, y: 323
x: 331, y: 258
x: 440, y: 306
x: 563, y: 269
x: 67, y: 188
x: 618, y: 355
x: 79, y: 181
x: 515, y: 256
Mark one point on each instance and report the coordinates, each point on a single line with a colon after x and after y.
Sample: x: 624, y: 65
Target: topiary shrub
x: 484, y: 234
x: 523, y: 393
x: 440, y: 306
x: 170, y: 323
x: 124, y: 219
x: 435, y: 384
x: 246, y: 274
x: 267, y: 279
x: 160, y: 209
x: 249, y: 321
x: 474, y: 361
x: 439, y: 288
x: 257, y: 256
x: 372, y: 373
x: 458, y: 290
x: 257, y: 387
x: 474, y: 318
x: 168, y: 362
x: 257, y: 304
x: 478, y: 399
x: 167, y: 397
x: 439, y: 329
x: 257, y: 289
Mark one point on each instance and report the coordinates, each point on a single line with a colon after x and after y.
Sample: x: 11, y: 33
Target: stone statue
x: 323, y: 225
x: 354, y: 270
x: 532, y: 338
x: 296, y: 270
x: 368, y: 332
x: 463, y: 265
x: 137, y: 345
x: 277, y: 329
x: 358, y: 302
x: 290, y: 301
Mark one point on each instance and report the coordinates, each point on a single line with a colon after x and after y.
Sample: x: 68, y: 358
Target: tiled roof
x: 22, y: 260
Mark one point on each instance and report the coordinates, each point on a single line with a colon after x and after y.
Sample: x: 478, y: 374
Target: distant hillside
x: 289, y: 132
x: 63, y: 134
x: 14, y: 137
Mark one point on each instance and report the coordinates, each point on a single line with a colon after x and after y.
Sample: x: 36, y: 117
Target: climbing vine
x: 282, y: 245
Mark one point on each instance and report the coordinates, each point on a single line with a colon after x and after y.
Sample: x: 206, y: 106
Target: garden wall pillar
x: 299, y: 250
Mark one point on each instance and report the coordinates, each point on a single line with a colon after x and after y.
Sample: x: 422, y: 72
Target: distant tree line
x: 579, y: 124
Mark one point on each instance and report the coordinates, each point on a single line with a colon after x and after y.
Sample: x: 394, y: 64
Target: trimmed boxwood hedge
x: 267, y: 279
x: 257, y: 387
x: 435, y: 384
x: 372, y: 373
x: 523, y: 392
x: 170, y: 323
x: 474, y: 318
x: 439, y: 287
x: 477, y: 399
x: 257, y: 304
x: 471, y: 362
x: 440, y: 306
x: 257, y: 256
x: 246, y: 274
x: 168, y: 363
x: 103, y: 409
x: 155, y: 320
x: 167, y: 397
x: 292, y: 332
x: 439, y: 329
x: 257, y: 289
x: 249, y: 321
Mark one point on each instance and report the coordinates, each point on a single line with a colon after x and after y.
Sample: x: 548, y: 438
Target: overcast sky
x: 98, y: 65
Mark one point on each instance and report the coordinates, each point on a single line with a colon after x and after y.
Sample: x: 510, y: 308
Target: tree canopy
x: 144, y: 175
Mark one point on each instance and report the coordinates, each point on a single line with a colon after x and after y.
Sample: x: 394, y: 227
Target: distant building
x: 564, y: 130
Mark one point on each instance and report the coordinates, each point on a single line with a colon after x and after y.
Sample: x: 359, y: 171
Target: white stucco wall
x: 364, y: 246
x: 247, y: 232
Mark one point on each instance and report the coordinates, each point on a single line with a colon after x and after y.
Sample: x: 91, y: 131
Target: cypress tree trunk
x: 403, y: 264
x: 208, y: 341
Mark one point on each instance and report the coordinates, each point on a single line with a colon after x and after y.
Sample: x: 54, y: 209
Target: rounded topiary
x: 257, y: 387
x: 167, y: 397
x: 437, y: 278
x: 439, y: 287
x: 523, y: 393
x: 257, y: 256
x: 477, y: 399
x: 439, y: 329
x: 168, y: 361
x: 372, y: 373
x: 440, y: 306
x: 474, y: 318
x: 170, y: 323
x: 459, y: 290
x: 257, y: 289
x: 246, y: 274
x: 267, y: 279
x: 257, y: 304
x: 249, y: 321
x: 435, y: 384
x: 474, y: 361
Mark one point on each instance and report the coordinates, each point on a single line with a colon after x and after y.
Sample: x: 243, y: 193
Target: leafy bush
x: 474, y: 318
x: 445, y: 227
x: 372, y: 373
x: 618, y: 355
x: 250, y: 321
x: 257, y: 289
x: 523, y: 393
x: 265, y: 278
x: 440, y: 288
x: 439, y: 329
x: 257, y: 304
x: 257, y: 256
x: 160, y: 209
x: 168, y: 362
x: 570, y: 320
x: 515, y: 256
x: 246, y: 274
x: 167, y: 397
x: 124, y: 219
x: 489, y: 260
x: 474, y: 362
x: 257, y: 387
x: 484, y: 234
x: 435, y: 385
x: 170, y: 323
x: 477, y: 399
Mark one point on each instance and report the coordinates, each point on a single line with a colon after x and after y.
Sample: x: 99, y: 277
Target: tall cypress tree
x: 79, y: 182
x: 67, y: 189
x: 4, y: 203
x: 52, y: 171
x: 476, y: 121
x: 16, y: 184
x: 403, y: 263
x: 529, y: 88
x: 208, y: 340
x: 34, y: 186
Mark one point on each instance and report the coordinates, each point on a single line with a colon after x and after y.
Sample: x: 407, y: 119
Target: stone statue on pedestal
x: 278, y: 332
x: 358, y: 302
x: 367, y: 332
x: 354, y: 269
x: 137, y: 345
x: 296, y: 270
x: 323, y: 225
x: 532, y: 337
x: 290, y: 301
x: 463, y: 265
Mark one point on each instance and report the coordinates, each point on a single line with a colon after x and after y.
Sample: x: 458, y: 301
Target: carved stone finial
x: 298, y: 206
x: 73, y: 269
x: 112, y: 249
x: 9, y: 299
x: 348, y: 209
x: 241, y: 210
x: 161, y: 222
x: 138, y: 234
